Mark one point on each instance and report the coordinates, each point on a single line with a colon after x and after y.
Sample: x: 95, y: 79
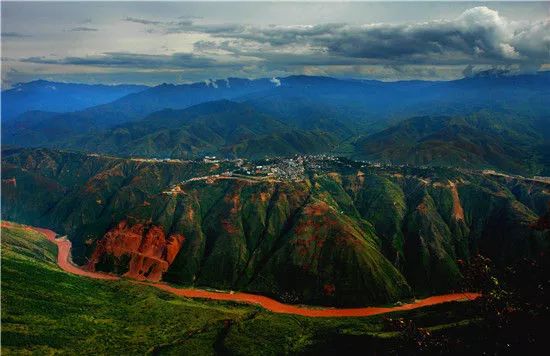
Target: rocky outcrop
x: 145, y: 251
x: 458, y: 212
x: 10, y: 181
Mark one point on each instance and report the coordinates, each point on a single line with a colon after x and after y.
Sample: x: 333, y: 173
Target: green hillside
x: 66, y: 314
x: 321, y: 231
x: 490, y: 120
x: 216, y: 128
x: 47, y: 311
x: 485, y: 140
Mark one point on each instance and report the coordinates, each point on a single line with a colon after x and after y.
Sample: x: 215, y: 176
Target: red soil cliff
x: 63, y: 260
x: 149, y: 250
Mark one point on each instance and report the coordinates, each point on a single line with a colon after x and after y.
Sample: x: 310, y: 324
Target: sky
x: 174, y: 42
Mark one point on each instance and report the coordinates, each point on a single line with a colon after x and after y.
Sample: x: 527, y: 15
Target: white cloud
x: 479, y: 35
x: 276, y: 81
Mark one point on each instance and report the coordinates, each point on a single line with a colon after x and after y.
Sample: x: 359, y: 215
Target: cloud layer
x: 133, y: 60
x: 83, y: 29
x: 478, y: 36
x: 200, y: 47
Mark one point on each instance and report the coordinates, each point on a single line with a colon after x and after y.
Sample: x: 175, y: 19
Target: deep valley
x: 333, y: 232
x: 275, y: 178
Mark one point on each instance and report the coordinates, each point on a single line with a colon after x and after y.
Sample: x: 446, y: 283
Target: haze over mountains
x: 492, y: 120
x: 43, y: 95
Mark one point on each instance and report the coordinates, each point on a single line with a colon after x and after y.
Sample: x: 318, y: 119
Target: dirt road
x: 65, y: 263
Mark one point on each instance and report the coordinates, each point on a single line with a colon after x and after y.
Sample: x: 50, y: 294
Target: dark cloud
x: 478, y: 36
x: 14, y: 35
x: 204, y: 46
x: 163, y: 26
x: 190, y: 17
x: 142, y: 21
x: 221, y: 30
x: 479, y: 39
x: 83, y: 29
x: 180, y: 23
x: 136, y: 60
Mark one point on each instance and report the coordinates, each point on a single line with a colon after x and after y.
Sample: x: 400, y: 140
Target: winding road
x: 65, y: 263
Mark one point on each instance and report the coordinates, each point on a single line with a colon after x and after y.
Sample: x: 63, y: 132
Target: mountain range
x: 336, y: 232
x: 323, y: 191
x: 486, y: 121
x: 43, y: 95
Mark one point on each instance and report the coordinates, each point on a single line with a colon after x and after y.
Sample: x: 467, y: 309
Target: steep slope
x: 340, y: 234
x: 218, y: 251
x: 484, y: 140
x: 45, y: 310
x: 67, y: 314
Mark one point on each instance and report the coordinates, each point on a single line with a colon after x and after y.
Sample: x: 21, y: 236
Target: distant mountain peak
x: 38, y: 82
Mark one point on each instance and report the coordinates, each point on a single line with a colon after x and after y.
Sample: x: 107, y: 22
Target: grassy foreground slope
x: 45, y: 311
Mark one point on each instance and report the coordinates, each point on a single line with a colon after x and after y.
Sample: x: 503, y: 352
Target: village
x: 270, y: 169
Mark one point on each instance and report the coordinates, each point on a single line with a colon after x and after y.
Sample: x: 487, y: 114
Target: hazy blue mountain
x: 132, y: 107
x: 373, y: 104
x: 42, y: 95
x: 322, y: 114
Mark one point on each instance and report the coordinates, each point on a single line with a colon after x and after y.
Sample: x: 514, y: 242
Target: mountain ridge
x: 43, y: 95
x: 315, y: 115
x: 337, y: 233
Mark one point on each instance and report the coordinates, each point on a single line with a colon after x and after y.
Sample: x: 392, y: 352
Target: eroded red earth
x: 150, y: 251
x: 64, y: 262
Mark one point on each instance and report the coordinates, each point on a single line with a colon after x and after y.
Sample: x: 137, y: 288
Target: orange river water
x: 64, y: 261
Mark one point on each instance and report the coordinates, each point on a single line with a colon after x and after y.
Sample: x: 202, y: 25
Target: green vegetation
x: 219, y: 128
x: 45, y: 310
x: 316, y: 230
x: 507, y: 142
x: 487, y: 121
x: 493, y: 121
x: 342, y: 234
